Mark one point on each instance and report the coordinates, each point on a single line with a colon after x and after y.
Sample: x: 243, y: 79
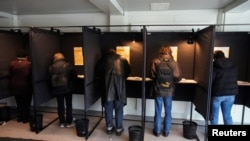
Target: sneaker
x: 156, y: 134
x: 2, y: 123
x: 165, y: 134
x: 19, y: 120
x: 119, y: 131
x: 110, y: 130
x: 62, y: 125
x: 70, y: 125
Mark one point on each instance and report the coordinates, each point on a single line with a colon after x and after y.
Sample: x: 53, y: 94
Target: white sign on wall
x: 223, y: 49
x: 174, y: 52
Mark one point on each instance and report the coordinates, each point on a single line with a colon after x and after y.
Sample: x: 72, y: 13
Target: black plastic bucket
x: 135, y: 133
x: 4, y: 113
x: 189, y: 129
x: 36, y: 123
x: 82, y: 126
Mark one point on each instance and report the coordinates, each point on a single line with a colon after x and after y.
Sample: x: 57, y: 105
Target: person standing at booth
x: 62, y: 77
x: 165, y: 72
x: 112, y: 71
x: 224, y: 88
x: 21, y: 85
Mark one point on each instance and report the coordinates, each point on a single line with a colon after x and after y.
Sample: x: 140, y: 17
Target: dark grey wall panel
x: 203, y: 69
x: 44, y: 44
x: 92, y: 53
x: 10, y: 42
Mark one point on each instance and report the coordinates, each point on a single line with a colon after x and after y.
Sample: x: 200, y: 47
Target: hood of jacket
x: 223, y: 63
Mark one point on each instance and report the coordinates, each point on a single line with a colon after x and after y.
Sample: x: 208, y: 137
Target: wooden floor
x: 52, y: 131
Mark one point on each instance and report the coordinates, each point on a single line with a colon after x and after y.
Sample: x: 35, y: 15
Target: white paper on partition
x: 78, y: 56
x: 124, y: 51
x: 224, y: 49
x: 174, y: 52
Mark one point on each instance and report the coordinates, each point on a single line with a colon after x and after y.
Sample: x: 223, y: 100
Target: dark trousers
x: 23, y: 107
x: 61, y: 101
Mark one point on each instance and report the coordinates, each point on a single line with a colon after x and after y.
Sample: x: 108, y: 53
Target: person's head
x: 21, y: 54
x: 165, y: 50
x: 58, y: 56
x: 111, y: 51
x: 218, y: 54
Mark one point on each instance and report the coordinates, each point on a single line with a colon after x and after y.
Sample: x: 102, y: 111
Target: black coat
x: 112, y: 72
x: 62, y: 66
x: 225, y: 76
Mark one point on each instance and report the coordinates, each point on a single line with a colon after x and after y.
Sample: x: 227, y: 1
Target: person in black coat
x: 62, y: 89
x: 224, y: 88
x: 112, y: 71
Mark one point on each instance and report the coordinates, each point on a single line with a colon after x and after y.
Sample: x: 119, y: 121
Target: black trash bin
x: 36, y: 123
x: 82, y: 126
x: 135, y: 133
x: 189, y: 129
x: 4, y: 113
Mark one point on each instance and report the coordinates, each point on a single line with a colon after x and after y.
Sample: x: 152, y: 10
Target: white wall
x: 236, y: 18
x: 194, y: 18
x: 69, y: 21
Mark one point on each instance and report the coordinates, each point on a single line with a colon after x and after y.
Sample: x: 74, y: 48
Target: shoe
x: 70, y: 125
x: 119, y: 131
x: 156, y: 134
x: 2, y: 122
x: 25, y: 121
x: 165, y: 134
x: 19, y: 120
x: 110, y: 130
x: 62, y: 125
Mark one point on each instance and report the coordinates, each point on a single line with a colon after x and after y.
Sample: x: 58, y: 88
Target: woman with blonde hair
x: 165, y: 72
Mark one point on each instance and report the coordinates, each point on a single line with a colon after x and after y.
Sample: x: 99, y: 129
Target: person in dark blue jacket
x: 224, y: 88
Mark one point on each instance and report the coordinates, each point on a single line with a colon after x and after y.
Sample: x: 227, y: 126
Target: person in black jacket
x: 62, y: 89
x: 21, y: 85
x: 224, y: 88
x: 112, y: 71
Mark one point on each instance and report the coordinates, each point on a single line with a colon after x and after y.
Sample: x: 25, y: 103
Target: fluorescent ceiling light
x: 159, y: 6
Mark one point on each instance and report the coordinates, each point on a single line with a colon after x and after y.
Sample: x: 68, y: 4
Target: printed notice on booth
x: 78, y: 56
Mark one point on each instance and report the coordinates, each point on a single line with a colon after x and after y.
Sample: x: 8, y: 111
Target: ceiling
x: 114, y: 7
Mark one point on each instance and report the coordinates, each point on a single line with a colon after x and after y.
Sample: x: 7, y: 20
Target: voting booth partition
x: 194, y: 59
x: 44, y: 43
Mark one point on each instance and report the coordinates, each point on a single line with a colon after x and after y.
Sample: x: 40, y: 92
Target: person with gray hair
x: 61, y: 79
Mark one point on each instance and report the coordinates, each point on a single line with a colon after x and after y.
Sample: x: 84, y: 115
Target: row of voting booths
x: 84, y: 49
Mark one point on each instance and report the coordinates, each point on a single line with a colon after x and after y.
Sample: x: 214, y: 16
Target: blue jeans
x: 167, y: 103
x: 226, y: 104
x: 118, y: 107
